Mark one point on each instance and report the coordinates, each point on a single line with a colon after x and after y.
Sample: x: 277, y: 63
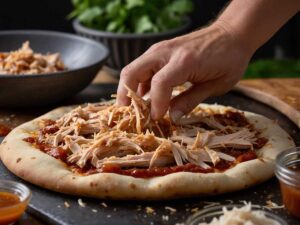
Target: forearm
x: 253, y: 22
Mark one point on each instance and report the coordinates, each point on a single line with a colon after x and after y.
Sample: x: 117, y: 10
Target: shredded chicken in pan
x: 25, y: 61
x: 102, y: 134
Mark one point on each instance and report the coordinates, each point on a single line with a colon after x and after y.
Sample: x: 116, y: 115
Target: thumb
x: 189, y: 99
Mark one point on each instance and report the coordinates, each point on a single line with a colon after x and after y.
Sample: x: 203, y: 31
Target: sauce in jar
x: 288, y: 173
x: 11, y: 208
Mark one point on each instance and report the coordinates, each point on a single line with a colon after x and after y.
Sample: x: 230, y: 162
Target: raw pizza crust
x: 41, y: 169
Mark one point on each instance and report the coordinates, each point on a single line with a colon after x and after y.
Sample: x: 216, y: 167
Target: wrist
x: 252, y: 22
x: 239, y: 41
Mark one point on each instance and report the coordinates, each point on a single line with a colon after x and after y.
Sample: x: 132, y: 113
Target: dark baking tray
x: 49, y: 206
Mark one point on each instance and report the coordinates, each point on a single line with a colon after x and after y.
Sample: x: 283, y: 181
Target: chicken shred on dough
x: 104, y: 133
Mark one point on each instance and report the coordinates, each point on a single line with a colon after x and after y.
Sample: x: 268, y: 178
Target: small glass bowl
x: 10, y: 214
x: 207, y: 215
x: 287, y: 171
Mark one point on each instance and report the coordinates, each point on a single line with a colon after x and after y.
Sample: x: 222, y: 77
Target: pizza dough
x: 34, y: 166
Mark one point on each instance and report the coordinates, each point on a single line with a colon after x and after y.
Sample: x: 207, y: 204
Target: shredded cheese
x: 243, y: 215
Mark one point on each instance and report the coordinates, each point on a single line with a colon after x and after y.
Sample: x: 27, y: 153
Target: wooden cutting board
x: 282, y: 94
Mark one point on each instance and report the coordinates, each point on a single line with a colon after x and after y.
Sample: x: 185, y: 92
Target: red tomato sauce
x: 230, y: 118
x: 56, y: 152
x: 59, y: 153
x: 156, y: 171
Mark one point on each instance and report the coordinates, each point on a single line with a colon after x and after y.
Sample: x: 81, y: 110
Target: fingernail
x: 176, y: 115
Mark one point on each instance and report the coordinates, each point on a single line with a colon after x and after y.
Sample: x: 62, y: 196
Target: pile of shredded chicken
x: 25, y: 61
x: 107, y: 134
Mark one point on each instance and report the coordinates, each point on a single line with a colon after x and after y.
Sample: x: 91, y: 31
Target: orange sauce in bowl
x: 11, y: 208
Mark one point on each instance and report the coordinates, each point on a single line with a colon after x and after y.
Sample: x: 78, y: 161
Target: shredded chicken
x: 25, y: 61
x: 106, y: 134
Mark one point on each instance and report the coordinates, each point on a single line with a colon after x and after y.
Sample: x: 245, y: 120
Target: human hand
x: 212, y: 59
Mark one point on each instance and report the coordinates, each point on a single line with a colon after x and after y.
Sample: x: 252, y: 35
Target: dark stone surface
x: 49, y: 206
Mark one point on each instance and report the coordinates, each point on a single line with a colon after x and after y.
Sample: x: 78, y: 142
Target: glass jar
x: 14, y: 198
x: 207, y: 215
x: 288, y: 173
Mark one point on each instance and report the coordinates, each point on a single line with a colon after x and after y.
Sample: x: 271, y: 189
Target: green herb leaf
x: 112, y: 26
x: 180, y: 7
x: 140, y: 16
x: 144, y: 25
x: 76, y: 2
x: 134, y: 3
x: 113, y: 8
x: 88, y: 15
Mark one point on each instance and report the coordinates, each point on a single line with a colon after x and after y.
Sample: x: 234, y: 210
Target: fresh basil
x: 131, y: 16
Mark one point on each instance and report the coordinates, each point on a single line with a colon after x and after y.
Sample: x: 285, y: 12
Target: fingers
x: 162, y: 85
x: 139, y: 71
x: 143, y: 88
x: 188, y: 100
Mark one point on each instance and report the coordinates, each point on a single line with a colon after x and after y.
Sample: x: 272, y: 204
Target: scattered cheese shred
x: 165, y: 218
x: 172, y: 210
x: 273, y: 205
x: 67, y: 205
x: 195, y: 210
x: 149, y: 210
x: 210, y: 204
x: 104, y: 204
x: 81, y: 203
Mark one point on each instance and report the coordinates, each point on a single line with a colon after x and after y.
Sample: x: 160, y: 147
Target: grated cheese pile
x: 242, y: 216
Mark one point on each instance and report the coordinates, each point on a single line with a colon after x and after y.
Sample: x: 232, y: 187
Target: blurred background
x: 278, y: 57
